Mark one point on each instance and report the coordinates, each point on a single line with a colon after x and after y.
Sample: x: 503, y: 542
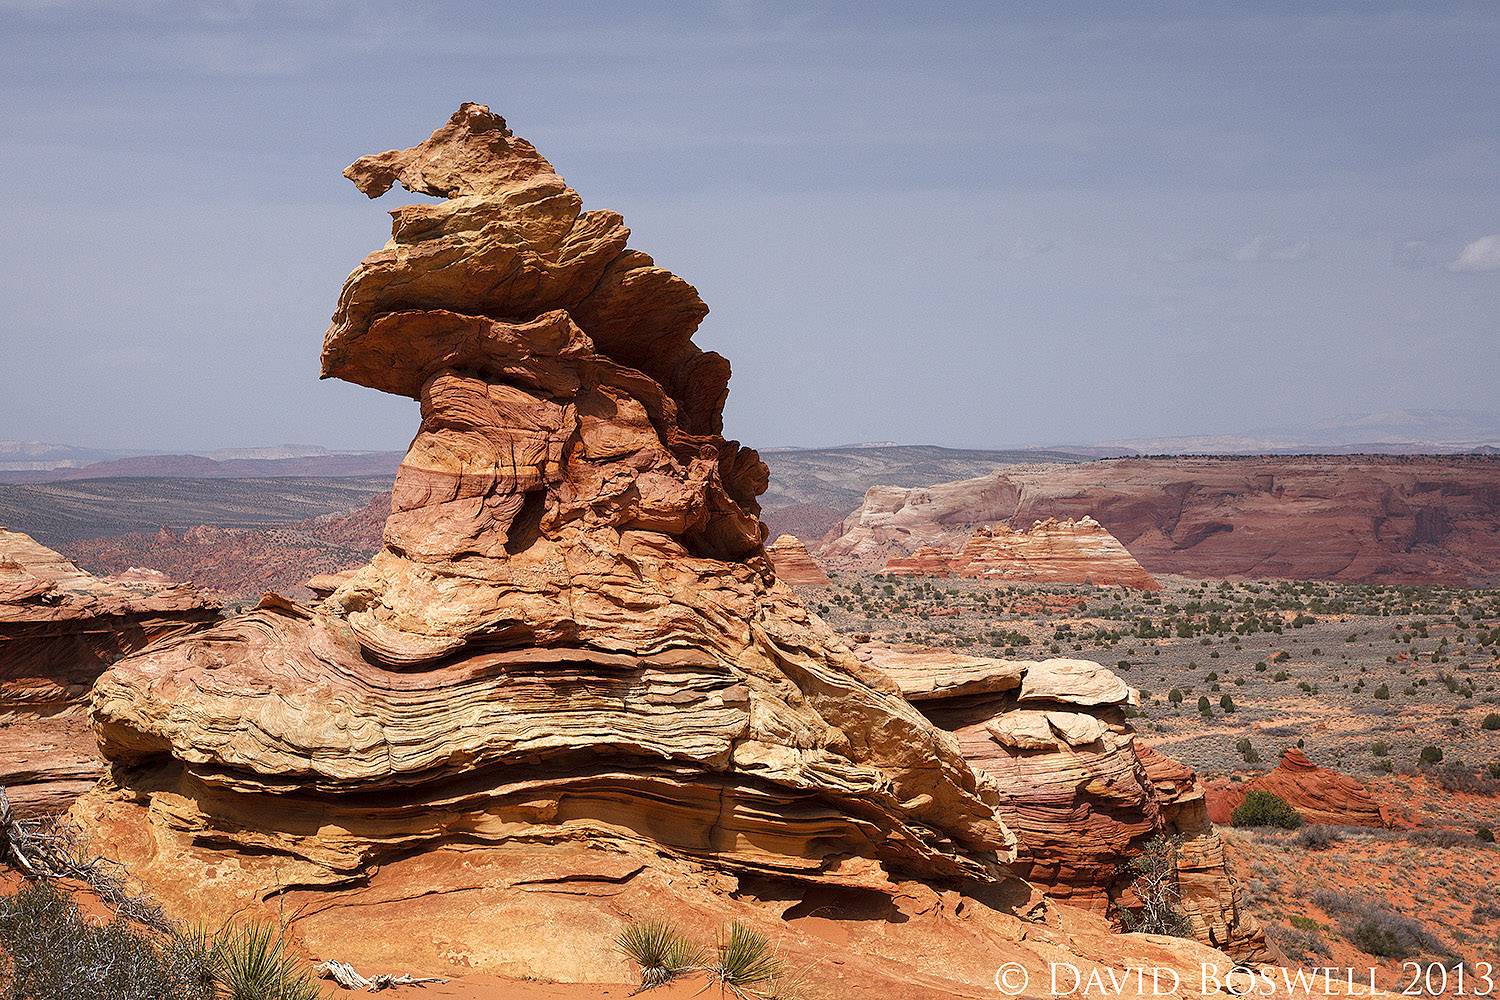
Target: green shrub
x: 1383, y: 692
x: 1265, y: 809
x: 1430, y: 755
x: 1485, y: 834
x: 1491, y: 722
x: 1227, y: 704
x: 1380, y: 748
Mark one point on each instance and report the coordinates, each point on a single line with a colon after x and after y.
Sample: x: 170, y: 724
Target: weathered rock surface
x: 1319, y: 794
x: 1071, y: 780
x: 793, y: 565
x: 570, y: 661
x: 1367, y: 519
x: 59, y: 628
x: 1050, y: 551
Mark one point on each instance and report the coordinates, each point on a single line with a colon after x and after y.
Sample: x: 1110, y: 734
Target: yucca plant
x: 746, y: 965
x: 660, y: 951
x: 251, y: 962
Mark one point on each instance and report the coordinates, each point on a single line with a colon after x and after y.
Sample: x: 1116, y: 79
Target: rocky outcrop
x: 1319, y: 794
x: 1050, y: 551
x: 1362, y: 519
x: 59, y: 628
x: 569, y: 671
x: 793, y: 565
x: 1072, y: 782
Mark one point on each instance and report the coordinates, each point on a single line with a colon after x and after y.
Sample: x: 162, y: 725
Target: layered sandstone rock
x: 1319, y: 794
x: 568, y: 672
x: 1370, y: 519
x: 1071, y: 780
x: 59, y: 628
x: 793, y: 565
x: 1050, y: 551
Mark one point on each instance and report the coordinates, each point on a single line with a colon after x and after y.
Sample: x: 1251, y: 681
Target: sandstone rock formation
x: 59, y: 628
x: 1073, y: 783
x: 569, y: 672
x: 1319, y: 794
x: 1050, y: 551
x: 793, y: 565
x: 1365, y: 519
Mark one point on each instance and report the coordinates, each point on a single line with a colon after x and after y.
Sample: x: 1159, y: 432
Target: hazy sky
x: 960, y: 224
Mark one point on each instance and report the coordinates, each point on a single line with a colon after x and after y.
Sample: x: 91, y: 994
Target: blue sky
x: 973, y: 225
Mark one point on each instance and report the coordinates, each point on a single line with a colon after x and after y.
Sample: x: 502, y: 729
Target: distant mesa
x: 1050, y: 551
x: 1319, y: 794
x: 793, y: 564
x: 59, y: 628
x: 1357, y: 519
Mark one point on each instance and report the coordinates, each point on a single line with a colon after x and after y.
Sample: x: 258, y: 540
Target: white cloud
x: 1481, y: 255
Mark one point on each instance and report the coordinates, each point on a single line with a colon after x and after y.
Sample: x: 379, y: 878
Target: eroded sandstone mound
x: 1073, y: 783
x: 1319, y: 794
x: 793, y: 565
x: 59, y: 628
x: 1360, y: 519
x: 569, y: 660
x: 1050, y: 551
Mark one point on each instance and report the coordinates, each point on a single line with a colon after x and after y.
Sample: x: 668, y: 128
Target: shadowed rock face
x: 572, y: 635
x: 59, y: 628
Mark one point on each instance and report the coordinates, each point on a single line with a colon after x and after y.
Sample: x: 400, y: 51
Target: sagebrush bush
x: 55, y: 954
x: 1262, y: 808
x: 1376, y: 930
x: 1318, y: 837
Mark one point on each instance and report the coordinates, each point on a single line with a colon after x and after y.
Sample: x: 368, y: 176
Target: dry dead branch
x: 346, y: 976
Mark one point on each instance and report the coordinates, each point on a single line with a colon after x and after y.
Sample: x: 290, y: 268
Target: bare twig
x: 49, y: 848
x: 346, y: 976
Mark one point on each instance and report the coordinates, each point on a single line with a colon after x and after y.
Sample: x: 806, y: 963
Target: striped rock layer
x: 1071, y: 780
x: 1051, y: 551
x: 793, y: 565
x: 59, y: 628
x: 1319, y: 794
x: 571, y: 653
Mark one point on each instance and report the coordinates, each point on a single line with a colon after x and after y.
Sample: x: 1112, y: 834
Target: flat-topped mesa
x: 571, y: 643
